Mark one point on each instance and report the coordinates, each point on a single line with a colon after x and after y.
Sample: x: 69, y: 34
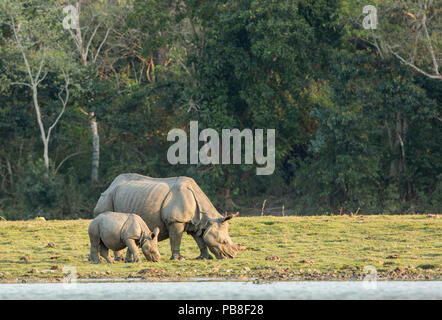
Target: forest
x: 90, y: 89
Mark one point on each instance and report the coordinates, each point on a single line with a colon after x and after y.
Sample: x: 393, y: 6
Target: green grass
x: 318, y: 247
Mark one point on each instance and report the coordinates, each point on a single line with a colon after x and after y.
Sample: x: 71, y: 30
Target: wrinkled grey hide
x: 116, y: 231
x: 174, y: 205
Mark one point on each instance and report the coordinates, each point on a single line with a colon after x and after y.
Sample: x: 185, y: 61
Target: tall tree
x: 34, y: 40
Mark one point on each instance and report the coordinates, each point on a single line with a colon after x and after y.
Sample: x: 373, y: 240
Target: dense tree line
x: 356, y: 111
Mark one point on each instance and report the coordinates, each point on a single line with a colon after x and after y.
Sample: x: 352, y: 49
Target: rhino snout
x: 223, y: 252
x: 152, y: 256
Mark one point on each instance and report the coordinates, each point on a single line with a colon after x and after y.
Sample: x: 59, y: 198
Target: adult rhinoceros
x: 175, y: 205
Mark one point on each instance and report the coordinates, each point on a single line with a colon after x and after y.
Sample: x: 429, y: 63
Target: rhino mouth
x: 223, y: 252
x: 152, y: 256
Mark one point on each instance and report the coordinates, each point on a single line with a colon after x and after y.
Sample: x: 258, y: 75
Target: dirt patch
x: 308, y: 261
x: 25, y: 259
x: 273, y: 258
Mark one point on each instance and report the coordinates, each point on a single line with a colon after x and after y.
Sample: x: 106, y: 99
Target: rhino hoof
x: 177, y: 257
x: 206, y: 257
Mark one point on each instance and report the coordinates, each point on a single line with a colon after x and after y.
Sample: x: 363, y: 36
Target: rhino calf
x: 116, y: 231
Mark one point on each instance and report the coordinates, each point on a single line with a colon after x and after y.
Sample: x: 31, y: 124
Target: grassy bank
x: 277, y: 248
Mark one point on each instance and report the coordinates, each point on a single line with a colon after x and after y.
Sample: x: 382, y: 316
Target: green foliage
x: 355, y: 128
x: 41, y: 192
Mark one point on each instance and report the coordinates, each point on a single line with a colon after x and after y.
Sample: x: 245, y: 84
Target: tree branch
x: 101, y: 44
x: 431, y: 76
x: 64, y: 102
x: 429, y: 46
x: 42, y: 78
x: 91, y: 38
x: 22, y: 50
x: 22, y: 83
x: 67, y: 158
x: 37, y: 76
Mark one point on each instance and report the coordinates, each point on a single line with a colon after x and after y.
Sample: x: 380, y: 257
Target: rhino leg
x: 94, y: 254
x: 95, y: 245
x: 204, y: 253
x: 104, y: 251
x: 176, y: 231
x: 133, y: 249
x: 118, y: 256
x: 128, y: 256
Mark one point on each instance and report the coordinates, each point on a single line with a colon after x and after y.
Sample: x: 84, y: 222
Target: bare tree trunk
x: 95, y: 150
x: 401, y: 128
x: 398, y: 165
x: 95, y: 146
x: 40, y: 125
x: 3, y: 178
x: 397, y: 146
x: 11, y: 177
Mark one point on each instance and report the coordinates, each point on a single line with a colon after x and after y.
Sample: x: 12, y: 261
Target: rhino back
x: 145, y: 198
x: 105, y: 202
x: 141, y: 197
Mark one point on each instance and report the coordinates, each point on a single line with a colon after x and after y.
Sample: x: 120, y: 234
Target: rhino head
x: 216, y: 236
x: 149, y: 246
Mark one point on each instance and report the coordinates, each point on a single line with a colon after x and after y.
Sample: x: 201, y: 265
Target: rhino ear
x: 230, y: 216
x: 205, y: 222
x: 155, y: 233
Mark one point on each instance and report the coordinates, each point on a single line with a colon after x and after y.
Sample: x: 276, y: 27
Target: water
x: 230, y: 290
